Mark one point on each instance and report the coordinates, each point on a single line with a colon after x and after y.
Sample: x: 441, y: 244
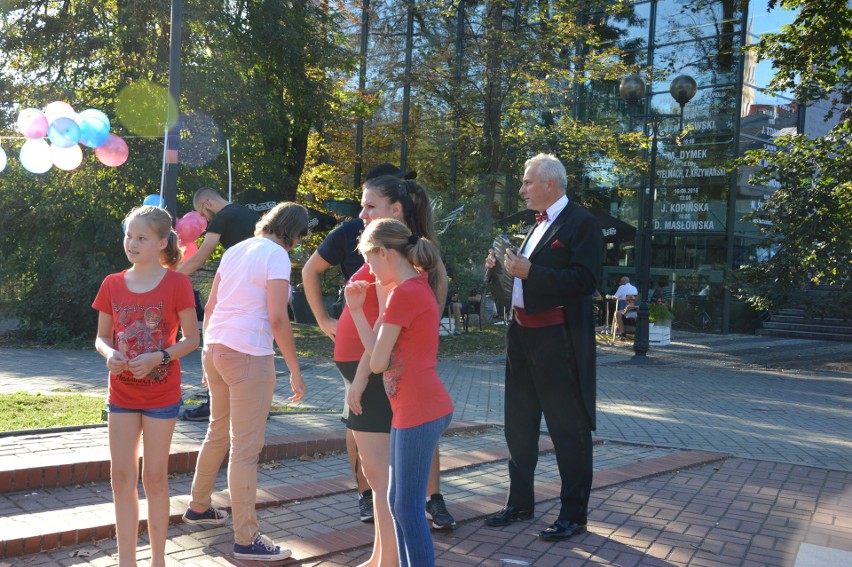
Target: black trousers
x: 541, y: 379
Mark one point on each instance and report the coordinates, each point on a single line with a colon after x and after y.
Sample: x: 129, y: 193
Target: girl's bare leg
x: 155, y: 479
x: 125, y: 431
x: 374, y: 450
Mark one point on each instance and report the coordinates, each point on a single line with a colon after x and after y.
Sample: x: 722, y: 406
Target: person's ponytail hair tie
x: 416, y: 206
x: 391, y: 234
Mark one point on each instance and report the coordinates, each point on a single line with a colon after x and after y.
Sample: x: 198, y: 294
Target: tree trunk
x: 492, y: 147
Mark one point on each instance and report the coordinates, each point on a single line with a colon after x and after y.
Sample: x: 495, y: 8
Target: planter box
x: 659, y: 335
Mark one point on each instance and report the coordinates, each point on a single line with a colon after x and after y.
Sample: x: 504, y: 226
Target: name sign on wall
x: 692, y: 182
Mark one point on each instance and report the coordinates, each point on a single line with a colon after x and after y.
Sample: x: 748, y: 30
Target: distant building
x: 698, y: 208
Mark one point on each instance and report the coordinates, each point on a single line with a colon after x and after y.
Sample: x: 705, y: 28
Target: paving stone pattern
x: 783, y: 497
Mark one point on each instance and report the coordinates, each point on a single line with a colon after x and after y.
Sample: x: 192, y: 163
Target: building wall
x: 698, y: 234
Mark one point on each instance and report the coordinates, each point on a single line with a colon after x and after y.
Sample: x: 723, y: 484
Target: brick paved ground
x: 783, y: 498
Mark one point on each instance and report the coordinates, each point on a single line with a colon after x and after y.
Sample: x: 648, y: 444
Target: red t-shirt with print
x: 416, y: 393
x: 145, y: 322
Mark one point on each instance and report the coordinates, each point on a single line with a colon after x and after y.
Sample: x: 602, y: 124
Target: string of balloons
x: 55, y: 135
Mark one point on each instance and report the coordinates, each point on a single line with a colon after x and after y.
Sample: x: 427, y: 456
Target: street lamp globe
x: 683, y: 89
x: 632, y: 88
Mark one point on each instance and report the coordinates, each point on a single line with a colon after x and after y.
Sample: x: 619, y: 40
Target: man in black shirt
x: 228, y: 224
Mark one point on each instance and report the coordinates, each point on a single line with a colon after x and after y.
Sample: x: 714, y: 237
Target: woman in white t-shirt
x: 246, y: 311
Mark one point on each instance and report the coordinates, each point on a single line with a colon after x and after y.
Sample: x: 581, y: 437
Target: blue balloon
x: 94, y: 128
x: 154, y: 201
x: 63, y: 132
x: 95, y: 114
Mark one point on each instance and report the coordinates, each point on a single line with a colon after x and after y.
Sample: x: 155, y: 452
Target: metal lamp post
x: 632, y: 90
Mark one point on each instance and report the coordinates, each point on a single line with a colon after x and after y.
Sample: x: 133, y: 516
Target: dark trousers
x: 541, y: 379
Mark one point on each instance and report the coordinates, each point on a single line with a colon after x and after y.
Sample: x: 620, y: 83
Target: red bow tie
x: 541, y: 217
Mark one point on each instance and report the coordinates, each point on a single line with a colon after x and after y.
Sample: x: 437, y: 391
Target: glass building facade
x: 699, y: 236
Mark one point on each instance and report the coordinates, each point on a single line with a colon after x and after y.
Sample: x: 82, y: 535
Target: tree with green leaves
x: 806, y: 221
x: 264, y: 73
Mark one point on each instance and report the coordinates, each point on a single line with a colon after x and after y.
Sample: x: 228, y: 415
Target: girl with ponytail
x: 139, y: 312
x: 404, y: 348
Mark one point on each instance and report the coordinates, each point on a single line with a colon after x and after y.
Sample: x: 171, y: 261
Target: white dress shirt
x: 538, y: 231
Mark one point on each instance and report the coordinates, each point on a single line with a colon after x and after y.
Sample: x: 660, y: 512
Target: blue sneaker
x: 211, y: 516
x: 198, y: 413
x: 262, y: 549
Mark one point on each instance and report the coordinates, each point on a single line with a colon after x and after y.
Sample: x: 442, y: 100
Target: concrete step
x: 810, y: 326
x: 806, y: 334
x: 35, y: 520
x: 795, y: 323
x: 307, y: 504
x: 52, y: 459
x: 783, y: 316
x: 60, y: 467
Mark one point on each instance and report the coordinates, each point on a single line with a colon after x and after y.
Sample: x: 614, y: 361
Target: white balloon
x: 3, y: 159
x: 59, y: 109
x: 66, y: 159
x: 35, y: 155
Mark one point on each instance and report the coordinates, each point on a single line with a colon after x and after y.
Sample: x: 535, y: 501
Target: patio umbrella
x: 614, y: 230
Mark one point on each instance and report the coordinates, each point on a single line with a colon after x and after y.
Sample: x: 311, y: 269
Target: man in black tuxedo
x: 550, y: 348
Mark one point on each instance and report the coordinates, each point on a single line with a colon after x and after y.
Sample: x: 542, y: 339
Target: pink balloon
x: 190, y: 226
x: 114, y: 152
x: 32, y: 123
x: 190, y: 248
x: 67, y: 159
x: 59, y: 109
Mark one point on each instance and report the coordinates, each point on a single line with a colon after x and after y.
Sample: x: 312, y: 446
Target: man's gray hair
x: 548, y: 167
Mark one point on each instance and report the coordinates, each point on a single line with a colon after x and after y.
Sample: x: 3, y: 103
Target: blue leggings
x: 411, y: 451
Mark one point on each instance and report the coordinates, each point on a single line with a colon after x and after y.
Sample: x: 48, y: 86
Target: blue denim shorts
x: 168, y: 412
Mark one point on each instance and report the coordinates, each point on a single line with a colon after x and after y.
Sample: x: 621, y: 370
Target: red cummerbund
x: 555, y: 316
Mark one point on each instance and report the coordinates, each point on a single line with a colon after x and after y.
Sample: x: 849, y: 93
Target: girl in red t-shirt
x: 405, y: 349
x: 140, y: 310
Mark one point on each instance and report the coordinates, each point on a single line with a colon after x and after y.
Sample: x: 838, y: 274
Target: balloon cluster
x: 189, y: 227
x: 66, y: 129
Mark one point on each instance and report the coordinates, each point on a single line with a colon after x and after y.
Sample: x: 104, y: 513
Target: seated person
x: 471, y: 306
x: 630, y: 311
x: 625, y: 288
x: 662, y: 292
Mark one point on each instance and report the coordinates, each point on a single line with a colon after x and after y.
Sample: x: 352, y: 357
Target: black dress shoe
x: 508, y: 515
x: 562, y: 529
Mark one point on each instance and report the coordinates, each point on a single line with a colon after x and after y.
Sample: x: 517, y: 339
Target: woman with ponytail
x: 386, y: 197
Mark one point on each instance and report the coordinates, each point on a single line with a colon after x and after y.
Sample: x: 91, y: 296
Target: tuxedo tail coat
x: 565, y: 270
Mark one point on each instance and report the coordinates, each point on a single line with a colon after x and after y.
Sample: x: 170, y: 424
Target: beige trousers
x: 241, y: 388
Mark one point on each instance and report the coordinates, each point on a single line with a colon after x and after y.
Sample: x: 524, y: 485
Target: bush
x: 59, y: 238
x: 659, y: 312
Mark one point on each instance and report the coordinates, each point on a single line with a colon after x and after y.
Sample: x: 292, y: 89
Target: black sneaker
x: 365, y: 507
x: 436, y: 511
x: 198, y: 413
x: 211, y: 516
